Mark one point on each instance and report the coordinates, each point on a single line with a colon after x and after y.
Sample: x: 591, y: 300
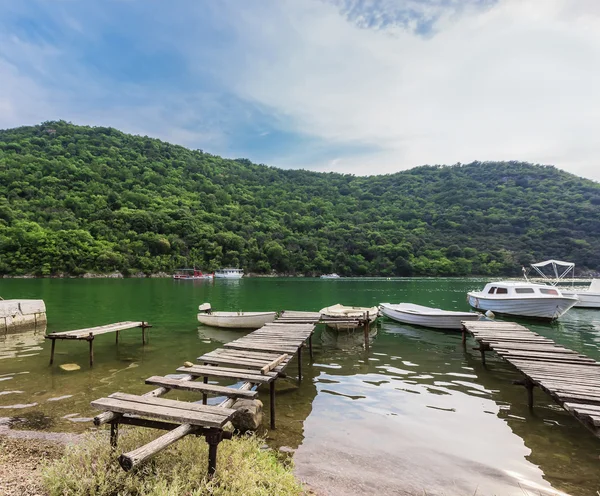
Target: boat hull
x: 237, y: 320
x: 344, y: 313
x: 536, y: 308
x: 442, y: 320
x: 586, y: 299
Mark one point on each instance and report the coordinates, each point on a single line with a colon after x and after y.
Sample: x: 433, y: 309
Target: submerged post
x: 300, y: 363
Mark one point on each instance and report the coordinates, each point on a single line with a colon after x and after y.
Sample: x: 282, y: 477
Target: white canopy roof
x: 553, y: 262
x: 565, y: 268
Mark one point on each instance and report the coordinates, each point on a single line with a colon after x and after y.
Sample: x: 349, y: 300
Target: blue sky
x: 357, y: 86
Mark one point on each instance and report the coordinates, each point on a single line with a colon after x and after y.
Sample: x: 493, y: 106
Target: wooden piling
x: 52, y: 351
x: 366, y: 331
x: 91, y: 341
x: 272, y: 403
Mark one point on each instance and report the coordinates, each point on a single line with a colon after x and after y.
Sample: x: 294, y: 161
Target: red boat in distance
x: 190, y: 275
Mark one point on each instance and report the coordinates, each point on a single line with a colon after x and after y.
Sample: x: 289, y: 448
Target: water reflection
x: 24, y: 342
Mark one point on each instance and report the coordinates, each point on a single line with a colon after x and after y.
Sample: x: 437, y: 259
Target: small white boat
x: 348, y: 313
x: 409, y: 313
x: 229, y: 273
x: 588, y: 297
x: 234, y: 320
x: 522, y: 299
x: 330, y: 276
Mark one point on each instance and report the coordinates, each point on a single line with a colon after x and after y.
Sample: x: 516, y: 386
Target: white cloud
x: 517, y: 80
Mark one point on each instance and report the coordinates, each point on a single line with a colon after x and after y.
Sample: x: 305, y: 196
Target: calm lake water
x: 415, y: 412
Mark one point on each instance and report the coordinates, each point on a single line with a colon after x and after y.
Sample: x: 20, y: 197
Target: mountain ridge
x: 81, y: 199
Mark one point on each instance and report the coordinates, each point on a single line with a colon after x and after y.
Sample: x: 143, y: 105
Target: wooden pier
x: 91, y: 332
x: 570, y: 378
x: 256, y: 359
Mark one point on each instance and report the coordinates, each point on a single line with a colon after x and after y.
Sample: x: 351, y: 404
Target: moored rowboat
x: 343, y: 312
x: 234, y: 320
x: 409, y: 313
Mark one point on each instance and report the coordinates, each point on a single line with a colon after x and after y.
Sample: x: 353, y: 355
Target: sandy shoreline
x: 22, y: 455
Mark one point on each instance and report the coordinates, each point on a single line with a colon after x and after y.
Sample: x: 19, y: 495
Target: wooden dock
x: 258, y: 358
x: 90, y: 333
x: 570, y: 378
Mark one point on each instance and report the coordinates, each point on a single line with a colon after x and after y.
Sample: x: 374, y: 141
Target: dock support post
x: 117, y: 338
x: 204, y: 395
x: 300, y: 364
x: 310, y: 350
x: 114, y: 434
x: 464, y: 336
x: 272, y: 403
x: 90, y: 339
x: 52, y: 351
x: 367, y: 332
x: 213, y: 438
x: 143, y: 334
x: 529, y: 386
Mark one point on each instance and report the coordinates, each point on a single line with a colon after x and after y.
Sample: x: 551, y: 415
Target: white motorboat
x: 229, y: 273
x: 234, y: 320
x: 330, y: 276
x: 588, y: 297
x: 522, y: 299
x: 409, y: 313
x: 343, y: 312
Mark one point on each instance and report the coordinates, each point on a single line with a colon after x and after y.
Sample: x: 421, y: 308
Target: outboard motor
x: 205, y: 307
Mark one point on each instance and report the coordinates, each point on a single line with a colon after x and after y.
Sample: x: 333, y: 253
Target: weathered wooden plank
x: 273, y: 364
x: 118, y: 326
x: 184, y: 405
x: 243, y: 354
x: 164, y: 413
x: 237, y: 362
x: 258, y: 347
x: 200, y: 387
x: 217, y: 372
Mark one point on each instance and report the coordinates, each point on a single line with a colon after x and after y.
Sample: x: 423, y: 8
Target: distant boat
x: 522, y: 299
x: 229, y: 273
x: 234, y: 320
x: 409, y: 313
x: 190, y: 275
x: 330, y: 276
x: 588, y: 297
x: 348, y: 313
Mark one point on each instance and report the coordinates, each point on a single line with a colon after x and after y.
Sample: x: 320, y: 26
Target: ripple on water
x: 19, y: 405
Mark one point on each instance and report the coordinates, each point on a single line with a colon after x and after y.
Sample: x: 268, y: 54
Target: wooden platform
x: 570, y: 378
x: 90, y: 333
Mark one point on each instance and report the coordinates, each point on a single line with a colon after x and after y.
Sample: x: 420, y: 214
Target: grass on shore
x: 91, y: 468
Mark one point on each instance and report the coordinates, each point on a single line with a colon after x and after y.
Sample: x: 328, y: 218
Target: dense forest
x: 78, y: 199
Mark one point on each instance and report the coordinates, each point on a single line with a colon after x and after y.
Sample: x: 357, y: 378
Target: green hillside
x: 75, y: 199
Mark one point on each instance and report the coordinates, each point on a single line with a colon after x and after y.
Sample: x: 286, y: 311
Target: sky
x: 353, y: 86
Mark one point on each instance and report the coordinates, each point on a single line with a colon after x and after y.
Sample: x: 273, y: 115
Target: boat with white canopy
x: 589, y: 297
x: 522, y: 299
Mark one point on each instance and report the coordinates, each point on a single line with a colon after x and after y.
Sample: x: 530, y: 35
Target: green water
x: 415, y: 399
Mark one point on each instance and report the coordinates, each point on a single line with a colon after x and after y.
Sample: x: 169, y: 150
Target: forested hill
x: 77, y: 199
